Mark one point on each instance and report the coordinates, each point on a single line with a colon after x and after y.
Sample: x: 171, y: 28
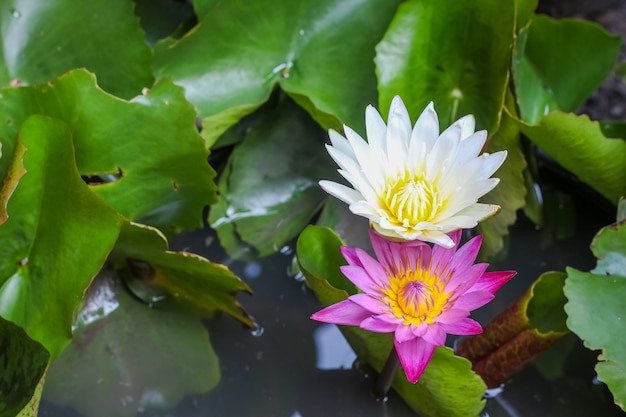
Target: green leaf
x: 448, y: 387
x: 42, y: 40
x: 161, y: 18
x: 56, y: 238
x: 454, y: 53
x: 578, y: 145
x: 231, y: 61
x: 318, y: 249
x: 544, y: 60
x: 596, y: 309
x: 31, y: 409
x: 511, y: 191
x: 24, y: 365
x: 525, y: 10
x: 270, y: 190
x: 143, y: 156
x: 119, y: 348
x: 613, y: 129
x: 158, y: 276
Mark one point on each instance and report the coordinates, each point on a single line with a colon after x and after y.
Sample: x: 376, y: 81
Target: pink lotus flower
x: 418, y: 292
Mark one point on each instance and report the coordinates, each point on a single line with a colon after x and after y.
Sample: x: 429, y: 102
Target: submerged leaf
x: 447, y: 388
x: 56, y: 238
x: 157, y: 275
x: 128, y: 358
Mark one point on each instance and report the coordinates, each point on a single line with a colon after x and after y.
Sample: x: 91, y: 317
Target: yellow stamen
x: 416, y: 296
x: 410, y: 199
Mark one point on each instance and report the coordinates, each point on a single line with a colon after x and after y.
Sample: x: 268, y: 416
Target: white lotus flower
x: 415, y: 184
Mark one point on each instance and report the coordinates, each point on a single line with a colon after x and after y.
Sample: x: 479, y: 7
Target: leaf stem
x: 385, y: 379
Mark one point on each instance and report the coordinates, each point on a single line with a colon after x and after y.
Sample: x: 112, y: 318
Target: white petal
x: 345, y: 161
x: 376, y: 129
x: 479, y: 211
x: 466, y: 124
x: 442, y: 153
x: 340, y: 143
x: 426, y: 129
x: 360, y: 184
x: 370, y: 166
x: 471, y: 146
x: 340, y: 191
x: 398, y: 131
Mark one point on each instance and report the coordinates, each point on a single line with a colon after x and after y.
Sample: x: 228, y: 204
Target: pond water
x: 290, y: 366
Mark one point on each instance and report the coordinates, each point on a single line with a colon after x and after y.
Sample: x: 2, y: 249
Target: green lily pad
x: 578, y: 145
x: 143, y: 156
x: 161, y: 277
x: 545, y: 57
x: 270, y: 191
x: 24, y: 365
x: 447, y: 388
x: 454, y: 53
x: 127, y: 358
x: 596, y: 310
x: 511, y: 191
x: 42, y: 40
x: 55, y: 237
x: 231, y: 61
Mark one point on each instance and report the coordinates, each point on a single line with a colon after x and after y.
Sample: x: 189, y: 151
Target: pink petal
x: 492, y: 281
x: 463, y: 327
x: 375, y: 324
x: 350, y: 255
x: 344, y: 312
x: 453, y: 315
x: 369, y: 303
x: 466, y: 255
x: 463, y: 279
x: 361, y: 278
x: 373, y: 267
x: 414, y: 356
x: 435, y: 335
x: 472, y: 300
x: 442, y: 256
x: 404, y: 333
x: 383, y: 249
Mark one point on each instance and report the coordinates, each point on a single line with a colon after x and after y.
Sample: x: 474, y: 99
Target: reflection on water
x: 289, y: 366
x: 333, y: 352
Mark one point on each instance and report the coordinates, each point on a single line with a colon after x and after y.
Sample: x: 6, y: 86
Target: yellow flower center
x: 410, y: 199
x: 417, y: 296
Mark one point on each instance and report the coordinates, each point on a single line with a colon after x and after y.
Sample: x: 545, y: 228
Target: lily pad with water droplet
x: 232, y: 60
